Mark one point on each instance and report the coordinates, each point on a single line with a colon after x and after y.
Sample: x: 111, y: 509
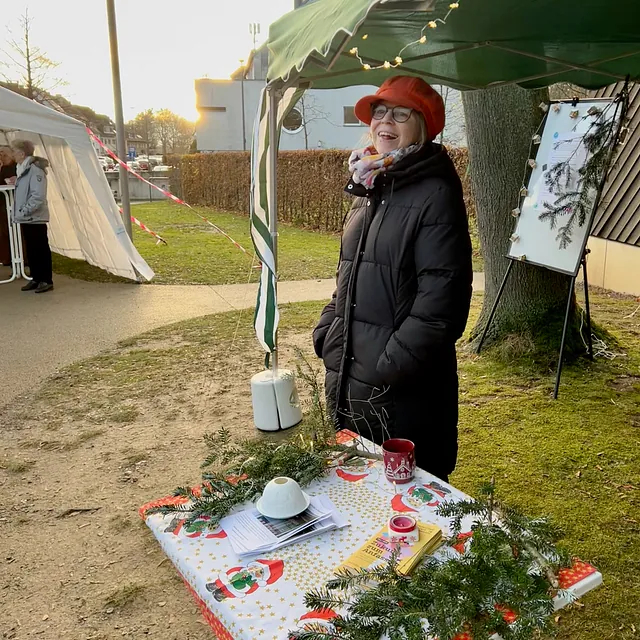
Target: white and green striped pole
x: 274, y: 395
x: 274, y: 106
x: 272, y: 178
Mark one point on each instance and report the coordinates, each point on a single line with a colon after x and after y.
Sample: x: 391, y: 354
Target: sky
x: 164, y: 46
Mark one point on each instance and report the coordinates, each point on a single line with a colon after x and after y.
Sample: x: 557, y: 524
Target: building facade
x: 614, y: 261
x: 323, y: 119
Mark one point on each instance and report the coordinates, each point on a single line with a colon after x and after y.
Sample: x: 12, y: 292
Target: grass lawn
x: 126, y: 427
x: 197, y: 254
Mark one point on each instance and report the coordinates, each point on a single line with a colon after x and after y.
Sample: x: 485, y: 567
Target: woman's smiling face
x: 388, y: 134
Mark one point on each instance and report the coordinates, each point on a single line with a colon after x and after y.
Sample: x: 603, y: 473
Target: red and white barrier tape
x: 161, y: 190
x: 144, y: 227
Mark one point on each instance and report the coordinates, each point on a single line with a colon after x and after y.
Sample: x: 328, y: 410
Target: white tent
x: 85, y: 221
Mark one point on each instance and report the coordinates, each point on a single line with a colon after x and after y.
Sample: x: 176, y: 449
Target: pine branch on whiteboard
x: 577, y: 205
x: 575, y: 182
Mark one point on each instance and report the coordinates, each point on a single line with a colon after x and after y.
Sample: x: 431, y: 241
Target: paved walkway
x: 41, y: 333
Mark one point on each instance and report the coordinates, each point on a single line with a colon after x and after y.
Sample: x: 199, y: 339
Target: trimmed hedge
x: 310, y: 184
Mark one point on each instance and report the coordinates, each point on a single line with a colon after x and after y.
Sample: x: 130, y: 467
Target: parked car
x: 106, y: 163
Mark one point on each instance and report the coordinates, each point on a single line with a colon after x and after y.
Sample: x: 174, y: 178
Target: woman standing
x: 404, y: 279
x: 30, y: 210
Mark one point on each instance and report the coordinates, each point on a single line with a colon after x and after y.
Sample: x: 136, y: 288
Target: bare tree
x: 145, y: 125
x: 174, y: 132
x: 310, y: 111
x: 455, y: 130
x: 27, y: 64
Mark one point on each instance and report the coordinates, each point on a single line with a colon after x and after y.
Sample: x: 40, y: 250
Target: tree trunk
x: 304, y: 124
x: 529, y: 317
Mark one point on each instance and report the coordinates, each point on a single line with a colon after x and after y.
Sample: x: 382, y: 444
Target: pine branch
x: 353, y: 451
x: 578, y: 203
x: 313, y: 632
x: 242, y: 469
x: 325, y: 599
x: 509, y: 563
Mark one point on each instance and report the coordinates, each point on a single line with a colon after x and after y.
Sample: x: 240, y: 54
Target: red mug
x: 398, y: 456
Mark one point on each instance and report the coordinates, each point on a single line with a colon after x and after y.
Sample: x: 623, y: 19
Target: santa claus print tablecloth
x: 263, y: 597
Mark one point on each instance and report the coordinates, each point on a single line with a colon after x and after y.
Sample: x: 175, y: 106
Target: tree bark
x: 304, y: 124
x: 500, y: 125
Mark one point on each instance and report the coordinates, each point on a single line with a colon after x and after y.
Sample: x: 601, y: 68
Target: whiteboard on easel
x: 536, y: 240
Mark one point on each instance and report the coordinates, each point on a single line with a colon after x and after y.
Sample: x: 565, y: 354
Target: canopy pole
x: 117, y: 102
x: 273, y: 200
x: 540, y: 76
x: 570, y: 65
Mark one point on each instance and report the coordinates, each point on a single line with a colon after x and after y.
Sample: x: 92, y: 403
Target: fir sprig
x: 505, y: 566
x: 243, y: 468
x: 246, y: 469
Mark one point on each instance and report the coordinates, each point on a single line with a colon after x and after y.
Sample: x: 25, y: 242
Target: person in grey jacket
x: 31, y: 211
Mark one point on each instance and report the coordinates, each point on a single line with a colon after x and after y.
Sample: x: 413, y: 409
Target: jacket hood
x: 431, y: 160
x: 41, y: 163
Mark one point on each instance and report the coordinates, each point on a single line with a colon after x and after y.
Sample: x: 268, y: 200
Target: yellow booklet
x: 378, y: 549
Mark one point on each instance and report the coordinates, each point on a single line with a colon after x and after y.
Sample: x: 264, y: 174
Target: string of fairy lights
x: 422, y: 39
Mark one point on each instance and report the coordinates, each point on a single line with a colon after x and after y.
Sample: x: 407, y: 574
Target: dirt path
x: 104, y: 437
x: 41, y: 333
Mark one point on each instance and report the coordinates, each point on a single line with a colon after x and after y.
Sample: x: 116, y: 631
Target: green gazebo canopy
x: 475, y: 44
x: 484, y: 43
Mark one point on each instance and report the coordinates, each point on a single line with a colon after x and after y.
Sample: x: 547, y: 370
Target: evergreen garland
x: 578, y: 202
x: 245, y: 468
x: 509, y: 564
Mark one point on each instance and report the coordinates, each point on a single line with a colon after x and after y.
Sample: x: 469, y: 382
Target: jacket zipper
x: 368, y: 219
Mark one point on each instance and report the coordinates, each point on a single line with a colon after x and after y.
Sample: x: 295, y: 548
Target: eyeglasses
x: 399, y: 114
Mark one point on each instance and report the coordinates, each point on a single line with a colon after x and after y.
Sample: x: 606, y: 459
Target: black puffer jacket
x: 403, y: 292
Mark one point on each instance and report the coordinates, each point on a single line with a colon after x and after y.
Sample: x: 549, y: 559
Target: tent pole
x: 273, y: 199
x: 539, y: 76
x: 117, y: 102
x: 570, y: 65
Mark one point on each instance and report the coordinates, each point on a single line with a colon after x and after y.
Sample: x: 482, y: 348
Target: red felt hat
x: 407, y: 91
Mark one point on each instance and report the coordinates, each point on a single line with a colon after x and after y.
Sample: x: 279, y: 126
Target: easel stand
x: 15, y: 240
x: 622, y: 99
x: 572, y: 285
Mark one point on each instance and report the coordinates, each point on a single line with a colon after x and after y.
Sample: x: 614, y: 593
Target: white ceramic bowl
x: 282, y: 498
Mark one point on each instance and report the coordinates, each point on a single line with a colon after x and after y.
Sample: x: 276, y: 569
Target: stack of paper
x: 379, y: 548
x: 251, y: 533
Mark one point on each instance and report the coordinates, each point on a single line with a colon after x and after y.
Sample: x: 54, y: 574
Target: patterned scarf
x: 366, y: 164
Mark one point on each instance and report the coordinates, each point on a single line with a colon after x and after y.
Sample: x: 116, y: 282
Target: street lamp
x: 117, y: 101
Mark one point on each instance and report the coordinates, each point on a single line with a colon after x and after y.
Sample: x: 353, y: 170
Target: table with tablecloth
x: 263, y: 597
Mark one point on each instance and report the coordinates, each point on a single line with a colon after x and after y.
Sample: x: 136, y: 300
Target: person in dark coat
x: 7, y: 173
x: 388, y: 335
